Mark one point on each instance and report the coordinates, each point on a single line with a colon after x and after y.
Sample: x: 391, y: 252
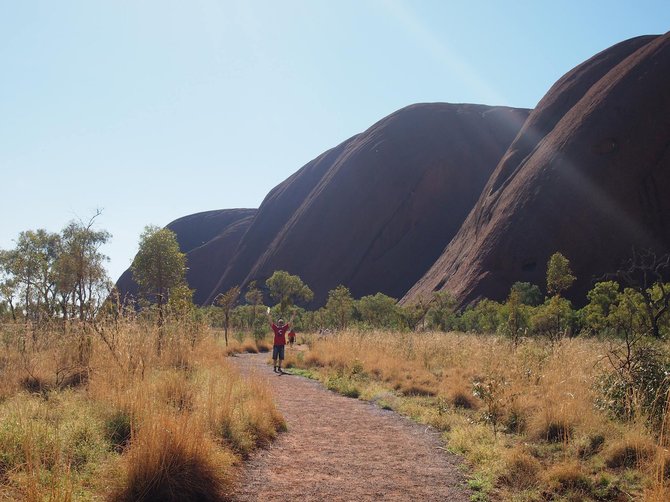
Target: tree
x: 80, y: 272
x: 340, y: 306
x: 31, y: 266
x: 288, y: 289
x: 158, y: 266
x: 253, y: 297
x: 227, y: 301
x: 442, y: 312
x: 8, y: 284
x: 603, y: 299
x: 647, y: 274
x: 378, y: 310
x: 553, y: 319
x: 529, y: 294
x: 559, y: 275
x: 484, y: 317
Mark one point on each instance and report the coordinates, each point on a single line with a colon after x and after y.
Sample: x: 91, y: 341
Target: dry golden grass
x: 523, y: 416
x: 81, y: 417
x: 568, y: 476
x: 634, y: 450
x: 174, y: 458
x: 522, y: 470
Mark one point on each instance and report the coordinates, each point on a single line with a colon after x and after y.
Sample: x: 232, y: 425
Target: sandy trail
x: 343, y: 449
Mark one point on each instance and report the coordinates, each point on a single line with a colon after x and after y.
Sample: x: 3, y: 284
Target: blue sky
x: 155, y: 109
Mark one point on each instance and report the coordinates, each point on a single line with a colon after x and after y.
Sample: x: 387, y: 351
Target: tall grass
x: 525, y: 417
x: 93, y: 415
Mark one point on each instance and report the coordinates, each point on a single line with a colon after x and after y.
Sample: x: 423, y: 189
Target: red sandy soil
x: 341, y: 449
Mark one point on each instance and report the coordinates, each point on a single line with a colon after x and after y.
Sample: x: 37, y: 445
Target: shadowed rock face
x: 587, y: 176
x: 376, y: 211
x: 209, y: 239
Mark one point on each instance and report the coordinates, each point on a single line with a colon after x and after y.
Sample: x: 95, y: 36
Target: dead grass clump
x: 552, y: 426
x: 176, y: 391
x: 632, y: 451
x: 460, y: 398
x: 263, y: 346
x: 243, y: 414
x: 119, y: 430
x: 249, y: 346
x: 173, y: 460
x: 568, y: 477
x: 313, y: 359
x: 74, y: 379
x: 35, y: 384
x: 521, y: 470
x: 413, y: 388
x: 516, y: 420
x: 593, y: 445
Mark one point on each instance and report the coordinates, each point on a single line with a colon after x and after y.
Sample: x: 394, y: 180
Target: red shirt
x: 291, y: 334
x: 280, y: 334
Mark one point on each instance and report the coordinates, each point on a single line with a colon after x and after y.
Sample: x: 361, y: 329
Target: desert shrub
x: 342, y: 385
x: 263, y: 345
x: 118, y: 430
x: 515, y: 419
x: 629, y: 452
x: 568, y: 477
x: 638, y: 383
x: 521, y: 470
x: 173, y: 460
x: 83, y: 441
x: 553, y: 426
x: 249, y: 346
x: 594, y: 444
x: 459, y: 398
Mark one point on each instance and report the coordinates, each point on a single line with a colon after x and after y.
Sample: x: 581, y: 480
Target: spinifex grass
x: 524, y: 417
x: 88, y: 415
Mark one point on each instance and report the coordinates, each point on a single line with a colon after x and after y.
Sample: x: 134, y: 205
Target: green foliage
x: 516, y: 315
x: 529, y: 294
x: 227, y: 301
x: 639, y: 383
x: 442, y: 312
x: 180, y: 303
x: 603, y: 299
x: 159, y: 264
x: 491, y: 390
x: 80, y: 274
x: 288, y: 289
x: 554, y: 319
x: 254, y: 297
x: 413, y: 315
x: 340, y: 307
x: 378, y: 311
x: 51, y: 275
x: 559, y: 275
x: 484, y: 317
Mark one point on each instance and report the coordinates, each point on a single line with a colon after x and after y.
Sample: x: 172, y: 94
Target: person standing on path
x: 280, y: 329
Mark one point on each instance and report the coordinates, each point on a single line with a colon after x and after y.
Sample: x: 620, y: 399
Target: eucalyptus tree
x: 158, y: 266
x: 288, y: 289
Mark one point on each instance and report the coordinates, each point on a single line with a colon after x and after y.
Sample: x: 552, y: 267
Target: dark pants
x: 278, y: 352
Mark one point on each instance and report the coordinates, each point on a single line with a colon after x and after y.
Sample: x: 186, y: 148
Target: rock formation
x: 587, y: 176
x: 376, y: 211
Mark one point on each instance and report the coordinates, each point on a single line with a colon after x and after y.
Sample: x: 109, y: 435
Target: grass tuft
x: 629, y: 452
x: 521, y: 470
x: 173, y: 460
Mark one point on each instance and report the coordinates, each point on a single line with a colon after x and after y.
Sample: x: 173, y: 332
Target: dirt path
x: 342, y: 449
